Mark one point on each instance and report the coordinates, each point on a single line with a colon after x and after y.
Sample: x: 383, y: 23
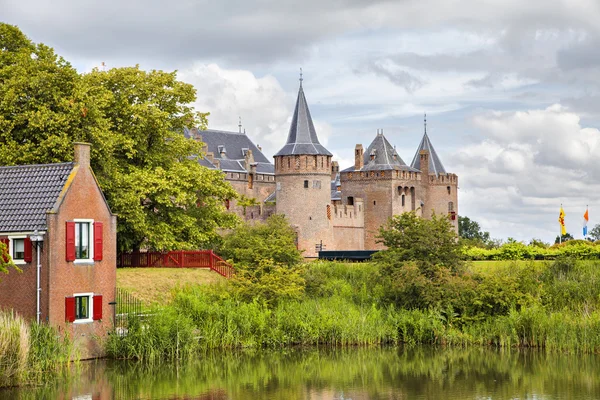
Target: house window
x: 449, y: 189
x: 18, y: 252
x: 82, y: 307
x: 350, y: 200
x: 450, y: 206
x: 82, y: 240
x: 305, y: 184
x: 316, y: 184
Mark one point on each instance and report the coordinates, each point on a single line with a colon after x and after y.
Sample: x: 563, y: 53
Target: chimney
x: 358, y: 157
x: 335, y: 169
x: 82, y: 154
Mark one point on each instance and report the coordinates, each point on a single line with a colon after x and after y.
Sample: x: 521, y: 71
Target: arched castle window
x: 399, y: 190
x: 305, y: 184
x: 449, y: 189
x: 413, y: 205
x: 450, y: 206
x: 403, y: 200
x: 374, y: 202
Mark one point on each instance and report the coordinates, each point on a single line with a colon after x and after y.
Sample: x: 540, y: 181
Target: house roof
x: 435, y: 164
x: 234, y: 146
x: 27, y: 192
x: 381, y: 156
x: 302, y: 137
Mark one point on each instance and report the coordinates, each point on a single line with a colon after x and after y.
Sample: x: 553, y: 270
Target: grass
x: 155, y: 285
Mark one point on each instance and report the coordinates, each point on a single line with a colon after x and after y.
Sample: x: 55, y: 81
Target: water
x: 353, y: 373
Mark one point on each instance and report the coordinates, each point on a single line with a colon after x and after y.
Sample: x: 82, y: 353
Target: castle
x: 330, y: 209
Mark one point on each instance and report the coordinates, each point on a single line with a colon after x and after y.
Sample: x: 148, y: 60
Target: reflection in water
x: 351, y: 373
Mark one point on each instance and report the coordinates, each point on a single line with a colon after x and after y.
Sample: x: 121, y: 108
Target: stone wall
x: 348, y: 226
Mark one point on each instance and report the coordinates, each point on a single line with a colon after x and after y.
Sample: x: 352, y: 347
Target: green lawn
x: 155, y: 285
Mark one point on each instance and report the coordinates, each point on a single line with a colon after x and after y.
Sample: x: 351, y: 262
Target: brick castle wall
x: 303, y: 195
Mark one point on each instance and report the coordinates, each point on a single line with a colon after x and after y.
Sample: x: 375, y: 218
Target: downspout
x: 38, y: 239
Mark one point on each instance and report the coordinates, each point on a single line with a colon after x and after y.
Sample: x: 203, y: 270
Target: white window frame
x: 90, y: 259
x: 11, y: 247
x: 90, y: 318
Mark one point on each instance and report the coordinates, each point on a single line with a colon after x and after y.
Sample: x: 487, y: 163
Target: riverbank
x: 547, y: 305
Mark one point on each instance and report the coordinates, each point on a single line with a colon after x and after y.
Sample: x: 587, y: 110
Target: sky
x: 511, y: 88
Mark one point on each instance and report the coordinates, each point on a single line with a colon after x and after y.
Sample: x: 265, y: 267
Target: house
x: 60, y: 232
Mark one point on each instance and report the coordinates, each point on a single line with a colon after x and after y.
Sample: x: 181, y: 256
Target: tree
x: 249, y: 245
x: 146, y: 168
x: 564, y: 238
x: 266, y: 259
x: 470, y: 233
x: 595, y: 232
x: 429, y: 243
x: 422, y: 264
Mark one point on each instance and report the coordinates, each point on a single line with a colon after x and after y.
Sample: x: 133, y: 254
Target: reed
x: 30, y: 354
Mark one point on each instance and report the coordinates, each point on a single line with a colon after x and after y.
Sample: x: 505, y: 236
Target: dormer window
x: 245, y: 151
x: 373, y: 154
x: 222, y: 149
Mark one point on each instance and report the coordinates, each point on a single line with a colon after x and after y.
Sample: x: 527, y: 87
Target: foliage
x: 249, y: 245
x: 578, y: 249
x: 146, y: 168
x: 563, y: 238
x: 245, y: 201
x: 470, y: 232
x: 5, y: 259
x: 429, y: 243
x: 268, y: 282
x: 594, y: 233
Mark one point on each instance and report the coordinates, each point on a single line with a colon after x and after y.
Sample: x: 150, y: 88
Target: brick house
x: 56, y: 214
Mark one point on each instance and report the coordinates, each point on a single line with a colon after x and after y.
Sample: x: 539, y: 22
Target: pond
x: 347, y: 373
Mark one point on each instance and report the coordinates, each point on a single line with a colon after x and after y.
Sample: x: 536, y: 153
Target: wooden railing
x: 176, y: 259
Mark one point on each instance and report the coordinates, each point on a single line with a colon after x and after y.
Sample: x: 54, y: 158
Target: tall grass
x: 552, y: 306
x: 30, y: 353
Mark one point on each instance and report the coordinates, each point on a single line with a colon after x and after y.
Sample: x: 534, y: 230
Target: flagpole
x: 560, y: 226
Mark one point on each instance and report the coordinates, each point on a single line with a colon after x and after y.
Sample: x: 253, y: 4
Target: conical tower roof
x: 302, y: 138
x: 435, y: 164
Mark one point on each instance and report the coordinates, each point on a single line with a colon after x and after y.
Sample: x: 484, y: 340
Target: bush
x: 249, y: 245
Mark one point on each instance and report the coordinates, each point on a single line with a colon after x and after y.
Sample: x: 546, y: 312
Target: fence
x: 177, y: 259
x: 126, y: 305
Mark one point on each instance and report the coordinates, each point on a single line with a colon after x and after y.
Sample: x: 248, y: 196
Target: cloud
x: 264, y: 107
x: 523, y: 166
x: 397, y: 76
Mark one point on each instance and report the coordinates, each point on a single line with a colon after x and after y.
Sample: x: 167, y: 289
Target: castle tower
x: 440, y: 187
x: 303, y: 178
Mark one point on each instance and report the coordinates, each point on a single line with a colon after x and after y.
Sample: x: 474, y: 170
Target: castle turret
x: 303, y: 175
x: 441, y: 188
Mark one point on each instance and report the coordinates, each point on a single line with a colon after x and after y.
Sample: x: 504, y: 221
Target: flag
x: 586, y: 218
x: 561, y: 221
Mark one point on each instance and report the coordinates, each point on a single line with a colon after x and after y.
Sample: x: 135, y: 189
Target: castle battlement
x: 382, y: 175
x: 443, y: 179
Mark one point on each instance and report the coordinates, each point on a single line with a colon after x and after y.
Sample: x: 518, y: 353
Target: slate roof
x: 302, y: 137
x: 235, y: 145
x: 336, y: 194
x: 27, y: 192
x: 385, y: 157
x: 435, y: 164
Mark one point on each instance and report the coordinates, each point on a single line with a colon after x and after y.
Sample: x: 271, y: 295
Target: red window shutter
x: 97, y: 307
x: 69, y: 309
x: 27, y: 257
x: 98, y: 242
x: 5, y: 254
x: 70, y: 235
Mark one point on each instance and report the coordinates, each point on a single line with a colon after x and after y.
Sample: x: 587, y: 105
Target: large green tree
x: 146, y: 168
x: 470, y: 232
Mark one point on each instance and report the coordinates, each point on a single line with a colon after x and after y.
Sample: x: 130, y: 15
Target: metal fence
x: 126, y: 306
